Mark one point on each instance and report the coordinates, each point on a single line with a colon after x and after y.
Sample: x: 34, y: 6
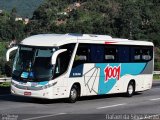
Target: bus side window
x: 81, y: 55
x: 137, y: 54
x: 63, y: 60
x: 146, y: 54
x: 61, y: 64
x: 110, y: 54
x: 97, y: 53
x: 142, y: 54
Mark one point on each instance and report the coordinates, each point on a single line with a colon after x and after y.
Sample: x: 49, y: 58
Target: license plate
x: 27, y: 93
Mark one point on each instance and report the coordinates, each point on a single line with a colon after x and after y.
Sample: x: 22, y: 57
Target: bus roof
x: 62, y: 39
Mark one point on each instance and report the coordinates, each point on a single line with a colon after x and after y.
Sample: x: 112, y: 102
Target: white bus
x: 55, y: 66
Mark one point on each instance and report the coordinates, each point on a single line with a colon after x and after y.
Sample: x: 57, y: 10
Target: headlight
x: 49, y: 85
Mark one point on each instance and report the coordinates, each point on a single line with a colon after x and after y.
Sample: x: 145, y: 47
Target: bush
x: 157, y: 66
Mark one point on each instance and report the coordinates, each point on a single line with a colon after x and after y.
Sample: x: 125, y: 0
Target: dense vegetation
x: 24, y: 8
x: 132, y: 19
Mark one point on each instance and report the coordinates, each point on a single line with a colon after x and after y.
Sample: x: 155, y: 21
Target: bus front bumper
x: 46, y: 94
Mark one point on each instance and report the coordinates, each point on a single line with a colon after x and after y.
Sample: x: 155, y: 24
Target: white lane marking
x: 45, y: 116
x: 111, y: 106
x: 155, y: 99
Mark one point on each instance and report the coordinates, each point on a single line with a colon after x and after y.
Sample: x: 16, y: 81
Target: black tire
x: 73, y: 94
x: 130, y: 89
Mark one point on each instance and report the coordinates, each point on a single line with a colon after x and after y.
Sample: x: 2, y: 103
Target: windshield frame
x: 34, y: 49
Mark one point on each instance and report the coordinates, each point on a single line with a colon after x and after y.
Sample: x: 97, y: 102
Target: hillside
x: 24, y: 8
x: 127, y: 19
x: 84, y: 16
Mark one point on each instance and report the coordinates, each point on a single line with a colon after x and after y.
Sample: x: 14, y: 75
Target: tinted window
x: 123, y: 54
x: 97, y: 53
x: 63, y: 60
x: 89, y: 53
x: 137, y: 54
x: 82, y: 54
x: 146, y: 54
x: 111, y: 54
x: 141, y: 54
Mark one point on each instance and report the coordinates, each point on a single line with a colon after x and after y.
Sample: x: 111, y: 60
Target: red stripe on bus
x: 110, y: 42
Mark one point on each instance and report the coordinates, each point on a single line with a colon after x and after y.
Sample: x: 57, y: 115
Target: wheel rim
x: 130, y: 89
x: 73, y: 94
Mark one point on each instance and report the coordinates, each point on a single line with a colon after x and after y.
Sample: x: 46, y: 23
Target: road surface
x: 144, y: 105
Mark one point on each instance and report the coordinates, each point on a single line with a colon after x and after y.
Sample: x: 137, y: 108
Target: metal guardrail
x: 156, y: 72
x: 6, y: 79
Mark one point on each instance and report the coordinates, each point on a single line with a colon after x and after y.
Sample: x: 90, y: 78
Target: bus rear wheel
x: 130, y: 89
x: 73, y: 94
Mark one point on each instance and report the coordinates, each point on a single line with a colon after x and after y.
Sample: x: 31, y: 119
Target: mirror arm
x: 9, y: 51
x: 56, y: 54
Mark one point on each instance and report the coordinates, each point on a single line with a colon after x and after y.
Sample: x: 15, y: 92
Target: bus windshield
x: 33, y: 64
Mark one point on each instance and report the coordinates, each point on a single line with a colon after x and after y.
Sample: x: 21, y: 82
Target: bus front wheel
x: 130, y: 89
x: 73, y: 94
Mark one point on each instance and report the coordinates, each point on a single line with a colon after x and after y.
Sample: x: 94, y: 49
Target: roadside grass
x: 156, y: 77
x: 5, y: 84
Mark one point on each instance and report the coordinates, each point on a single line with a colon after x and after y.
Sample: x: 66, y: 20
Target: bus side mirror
x: 9, y: 51
x: 55, y: 54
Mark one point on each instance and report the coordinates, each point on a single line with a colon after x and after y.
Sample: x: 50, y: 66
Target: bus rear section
x: 107, y: 69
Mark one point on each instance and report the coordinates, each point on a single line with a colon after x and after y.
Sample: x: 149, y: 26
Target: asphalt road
x: 144, y: 105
